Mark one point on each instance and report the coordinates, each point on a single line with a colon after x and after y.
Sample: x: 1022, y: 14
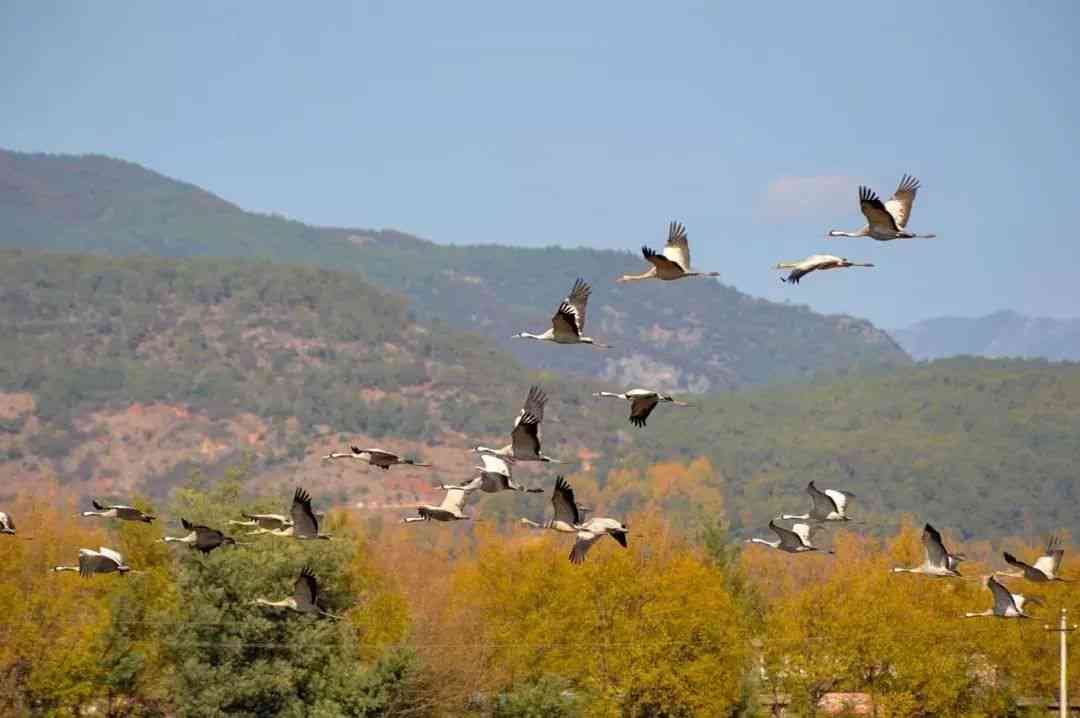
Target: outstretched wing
x: 454, y: 501
x: 585, y: 540
x: 1027, y: 568
x: 900, y: 204
x: 525, y: 438
x: 877, y: 216
x: 935, y: 548
x: 788, y: 539
x: 495, y: 465
x: 304, y: 522
x: 1050, y: 562
x: 99, y: 506
x: 677, y: 248
x: 562, y: 500
x: 306, y: 590
x: 570, y: 317
x: 839, y: 498
x: 820, y: 503
x: 641, y: 407
x: 1003, y: 599
x: 660, y: 261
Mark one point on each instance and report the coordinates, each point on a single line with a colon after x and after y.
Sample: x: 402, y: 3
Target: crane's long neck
x: 865, y: 231
x: 794, y: 516
x: 533, y: 524
x: 900, y: 569
x: 538, y: 337
x: 179, y: 539
x: 341, y: 455
x: 608, y: 393
x: 103, y: 514
x: 764, y: 542
x: 650, y: 274
x: 980, y: 614
x: 66, y: 568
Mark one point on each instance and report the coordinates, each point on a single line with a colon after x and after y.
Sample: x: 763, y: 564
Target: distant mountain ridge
x: 998, y: 335
x: 694, y: 336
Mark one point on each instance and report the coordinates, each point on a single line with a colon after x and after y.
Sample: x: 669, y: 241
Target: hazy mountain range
x: 1001, y: 334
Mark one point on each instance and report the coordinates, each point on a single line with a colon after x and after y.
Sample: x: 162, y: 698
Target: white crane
x: 568, y: 519
x: 449, y: 510
x: 888, y: 220
x: 797, y: 539
x: 495, y: 476
x: 938, y: 562
x: 568, y: 324
x: 201, y: 538
x: 674, y: 263
x: 1006, y: 603
x: 104, y: 560
x: 375, y: 457
x: 118, y: 511
x: 827, y: 505
x: 525, y: 436
x: 304, y: 599
x: 592, y: 531
x: 816, y: 262
x: 568, y: 514
x: 263, y: 523
x: 1045, y: 568
x: 642, y: 403
x: 305, y: 522
x: 7, y: 526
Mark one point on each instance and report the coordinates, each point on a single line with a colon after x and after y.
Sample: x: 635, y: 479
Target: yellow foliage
x: 643, y: 631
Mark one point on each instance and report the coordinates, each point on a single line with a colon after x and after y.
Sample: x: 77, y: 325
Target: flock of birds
x: 886, y: 221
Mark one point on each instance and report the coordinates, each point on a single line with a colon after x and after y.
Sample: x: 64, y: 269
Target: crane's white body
x: 304, y: 599
x: 263, y: 523
x: 495, y: 476
x: 886, y: 221
x: 938, y: 562
x: 673, y: 263
x: 375, y: 457
x: 304, y: 521
x: 568, y: 518
x: 118, y: 511
x: 7, y: 525
x: 568, y: 323
x: 642, y: 403
x: 1046, y: 568
x: 104, y: 560
x: 797, y: 539
x: 826, y: 505
x: 525, y: 436
x: 816, y: 263
x: 1006, y: 603
x: 200, y: 538
x: 451, y: 508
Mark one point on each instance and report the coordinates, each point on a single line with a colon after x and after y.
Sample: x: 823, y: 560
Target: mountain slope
x: 1002, y: 334
x: 697, y: 335
x: 125, y: 375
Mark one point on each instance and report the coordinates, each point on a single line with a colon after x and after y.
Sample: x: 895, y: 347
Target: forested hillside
x: 126, y: 375
x: 698, y: 335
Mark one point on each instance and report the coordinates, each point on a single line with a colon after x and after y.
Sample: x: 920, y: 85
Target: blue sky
x: 594, y: 124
